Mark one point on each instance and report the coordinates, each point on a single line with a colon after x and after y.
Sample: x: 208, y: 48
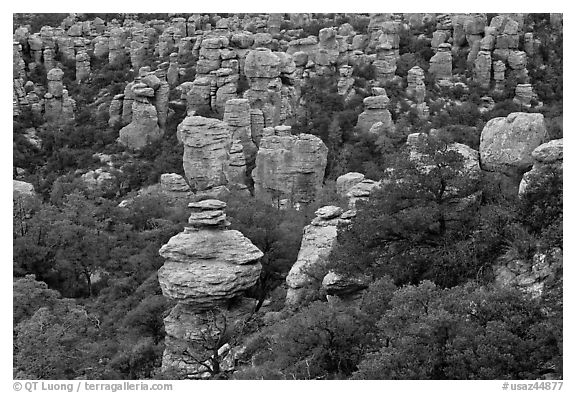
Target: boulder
x: 547, y: 157
x: 345, y: 182
x: 506, y: 143
x: 21, y: 189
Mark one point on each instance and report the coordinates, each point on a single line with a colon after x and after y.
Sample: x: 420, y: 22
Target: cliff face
x: 207, y: 268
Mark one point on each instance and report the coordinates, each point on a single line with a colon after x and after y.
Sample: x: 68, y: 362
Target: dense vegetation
x: 87, y: 303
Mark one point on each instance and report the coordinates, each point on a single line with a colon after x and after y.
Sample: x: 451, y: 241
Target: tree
x: 321, y: 341
x: 55, y: 343
x: 407, y: 229
x: 466, y: 332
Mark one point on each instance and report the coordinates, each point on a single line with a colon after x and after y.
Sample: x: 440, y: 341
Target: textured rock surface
x: 289, y: 167
x: 547, y: 157
x: 375, y: 110
x: 172, y: 182
x: 482, y: 68
x: 207, y: 143
x: 145, y: 108
x: 21, y: 188
x: 529, y: 276
x: 221, y: 263
x: 441, y: 62
x: 206, y: 269
x: 317, y: 241
x: 506, y: 143
x: 143, y: 128
x: 345, y: 182
x: 524, y: 94
x: 360, y: 192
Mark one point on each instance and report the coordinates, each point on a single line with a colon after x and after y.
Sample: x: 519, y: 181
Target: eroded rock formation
x: 289, y: 167
x: 305, y: 276
x: 506, y: 144
x: 207, y: 268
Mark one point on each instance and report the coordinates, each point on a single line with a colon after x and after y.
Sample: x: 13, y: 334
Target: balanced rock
x: 375, y: 111
x: 207, y: 268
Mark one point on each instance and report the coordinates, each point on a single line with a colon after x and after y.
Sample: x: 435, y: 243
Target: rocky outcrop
x: 237, y: 116
x: 262, y: 68
x: 499, y: 75
x: 175, y: 186
x: 524, y: 95
x: 375, y: 110
x: 416, y: 91
x: 207, y: 268
x: 483, y: 68
x: 441, y: 62
x: 345, y: 182
x: 360, y: 192
x: 289, y: 167
x: 547, y: 157
x: 207, y: 143
x: 507, y: 36
x: 145, y: 107
x: 506, y: 144
x: 21, y: 189
x: 346, y: 81
x: 58, y: 106
x: 305, y: 276
x: 530, y: 276
x: 82, y: 66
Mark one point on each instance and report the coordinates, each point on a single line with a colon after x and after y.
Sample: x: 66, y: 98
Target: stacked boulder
x: 346, y: 82
x: 145, y: 108
x: 327, y: 53
x: 524, y: 95
x: 217, y: 70
x: 416, y: 91
x: 262, y: 68
x: 82, y: 66
x: 443, y: 31
x: 547, y: 157
x: 499, y: 75
x: 58, y: 106
x: 507, y: 36
x: 175, y: 187
x: 355, y: 187
x: 207, y: 269
x: 319, y: 238
x: 483, y: 68
x: 237, y: 116
x: 289, y: 167
x: 506, y: 145
x: 375, y: 111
